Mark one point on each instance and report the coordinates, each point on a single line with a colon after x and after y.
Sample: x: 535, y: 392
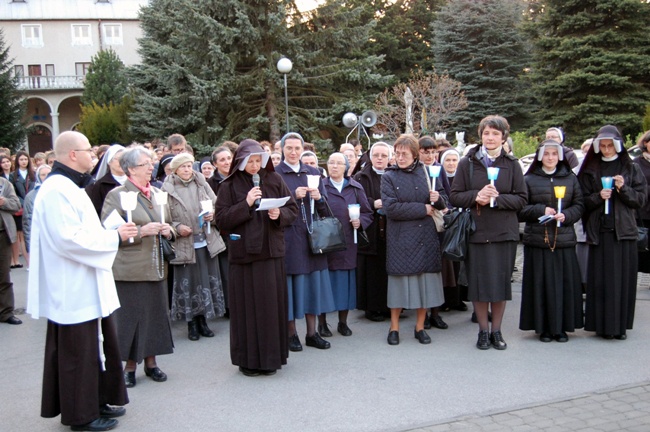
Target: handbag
x: 167, y: 248
x: 459, y: 227
x: 325, y: 234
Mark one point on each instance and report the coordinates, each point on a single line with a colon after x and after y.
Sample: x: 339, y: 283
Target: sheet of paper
x: 271, y: 203
x: 113, y: 221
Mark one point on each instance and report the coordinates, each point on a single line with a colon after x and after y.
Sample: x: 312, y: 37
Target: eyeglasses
x: 84, y: 150
x: 145, y: 164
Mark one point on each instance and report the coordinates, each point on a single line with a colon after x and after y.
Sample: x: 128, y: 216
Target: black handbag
x: 325, y: 234
x: 167, y: 248
x: 459, y: 225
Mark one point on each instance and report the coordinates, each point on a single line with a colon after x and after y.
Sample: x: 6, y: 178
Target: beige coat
x: 179, y: 196
x: 137, y: 261
x: 11, y: 206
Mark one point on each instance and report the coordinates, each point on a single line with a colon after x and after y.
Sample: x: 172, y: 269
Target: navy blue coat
x: 338, y: 201
x: 412, y: 241
x: 298, y: 258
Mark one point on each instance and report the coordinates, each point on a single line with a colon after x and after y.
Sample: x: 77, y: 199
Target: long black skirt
x: 551, y: 291
x: 258, y: 314
x: 372, y: 282
x: 73, y: 383
x: 611, y: 285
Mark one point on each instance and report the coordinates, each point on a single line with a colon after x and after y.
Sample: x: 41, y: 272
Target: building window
x: 81, y: 34
x: 112, y: 34
x: 32, y: 35
x: 19, y: 71
x: 81, y: 69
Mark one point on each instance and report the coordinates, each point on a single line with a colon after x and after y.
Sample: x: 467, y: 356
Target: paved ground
x: 362, y: 384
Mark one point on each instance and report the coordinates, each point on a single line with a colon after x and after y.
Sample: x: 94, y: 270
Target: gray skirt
x: 415, y: 291
x: 489, y: 271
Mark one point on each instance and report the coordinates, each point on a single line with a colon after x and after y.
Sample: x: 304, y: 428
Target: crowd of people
x: 240, y: 223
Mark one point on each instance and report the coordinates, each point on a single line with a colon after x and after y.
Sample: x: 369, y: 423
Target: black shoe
x: 316, y: 341
x: 344, y: 329
x: 427, y: 322
x: 193, y: 330
x: 100, y: 424
x: 268, y: 372
x: 204, y: 330
x: 462, y: 307
x: 324, y: 330
x: 437, y: 322
x: 393, y: 337
x: 562, y: 337
x: 108, y: 411
x: 375, y: 316
x: 249, y: 372
x: 607, y: 337
x: 155, y: 374
x: 13, y: 321
x: 545, y: 337
x: 422, y: 337
x: 129, y: 379
x: 621, y: 337
x: 483, y: 342
x: 497, y: 340
x: 444, y: 307
x: 294, y: 343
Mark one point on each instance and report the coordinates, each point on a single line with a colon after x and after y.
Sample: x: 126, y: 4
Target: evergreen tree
x: 106, y: 79
x: 106, y: 124
x: 13, y: 130
x: 209, y: 69
x: 592, y: 65
x: 479, y: 43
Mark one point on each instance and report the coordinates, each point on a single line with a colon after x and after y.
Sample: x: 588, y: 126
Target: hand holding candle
x: 312, y: 183
x: 434, y: 173
x: 493, y: 173
x: 129, y: 201
x: 355, y: 213
x: 607, y: 184
x: 206, y: 206
x: 559, y: 194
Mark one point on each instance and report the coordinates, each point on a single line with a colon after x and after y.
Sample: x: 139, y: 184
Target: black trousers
x: 6, y: 287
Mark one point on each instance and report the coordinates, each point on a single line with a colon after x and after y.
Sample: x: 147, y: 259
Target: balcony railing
x: 50, y: 82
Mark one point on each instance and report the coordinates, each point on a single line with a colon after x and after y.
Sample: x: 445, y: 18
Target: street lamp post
x: 284, y: 67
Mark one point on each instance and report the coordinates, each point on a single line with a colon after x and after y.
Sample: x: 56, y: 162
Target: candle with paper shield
x: 355, y: 213
x: 493, y: 173
x: 129, y: 201
x: 434, y: 173
x: 312, y: 183
x: 161, y: 199
x: 559, y: 194
x: 206, y: 205
x: 607, y: 184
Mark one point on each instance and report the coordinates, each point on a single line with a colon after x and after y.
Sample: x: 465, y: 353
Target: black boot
x: 204, y: 330
x: 193, y: 330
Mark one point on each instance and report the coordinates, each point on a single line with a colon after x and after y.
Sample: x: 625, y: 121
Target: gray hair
x: 131, y: 157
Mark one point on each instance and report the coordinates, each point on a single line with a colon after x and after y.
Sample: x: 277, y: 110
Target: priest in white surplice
x: 71, y: 284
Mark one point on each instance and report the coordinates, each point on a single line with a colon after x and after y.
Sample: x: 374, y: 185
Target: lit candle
x: 493, y: 173
x: 434, y: 173
x: 161, y: 199
x: 312, y: 183
x: 607, y: 184
x: 559, y: 194
x: 355, y: 213
x: 129, y: 201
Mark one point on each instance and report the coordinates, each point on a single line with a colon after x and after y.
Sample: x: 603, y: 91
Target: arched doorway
x: 39, y: 139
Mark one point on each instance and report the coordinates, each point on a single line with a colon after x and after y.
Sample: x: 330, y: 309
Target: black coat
x: 412, y: 240
x: 541, y: 194
x: 644, y: 165
x: 371, y: 183
x: 97, y: 191
x: 496, y: 224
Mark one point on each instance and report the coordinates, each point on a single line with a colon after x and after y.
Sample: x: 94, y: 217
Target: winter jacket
x: 493, y: 224
x: 644, y: 165
x: 541, y: 194
x: 412, y: 241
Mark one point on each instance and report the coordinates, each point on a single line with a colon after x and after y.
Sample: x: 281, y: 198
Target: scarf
x: 146, y: 189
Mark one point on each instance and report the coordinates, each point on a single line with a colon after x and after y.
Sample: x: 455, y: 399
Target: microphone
x: 256, y: 183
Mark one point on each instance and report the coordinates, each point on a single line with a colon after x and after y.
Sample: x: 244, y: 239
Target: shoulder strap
x: 144, y: 205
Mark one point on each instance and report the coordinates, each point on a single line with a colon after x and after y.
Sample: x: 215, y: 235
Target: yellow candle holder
x: 560, y: 191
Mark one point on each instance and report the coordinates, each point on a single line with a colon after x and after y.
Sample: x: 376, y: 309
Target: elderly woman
x: 197, y: 291
x: 140, y: 271
x: 643, y: 162
x: 372, y: 279
x: 28, y: 206
x: 610, y: 225
x: 258, y: 297
x: 351, y: 153
x: 343, y: 191
x: 163, y: 171
x: 308, y: 279
x: 493, y: 246
x: 207, y: 169
x: 413, y: 258
x: 308, y: 157
x: 108, y: 175
x: 551, y: 295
